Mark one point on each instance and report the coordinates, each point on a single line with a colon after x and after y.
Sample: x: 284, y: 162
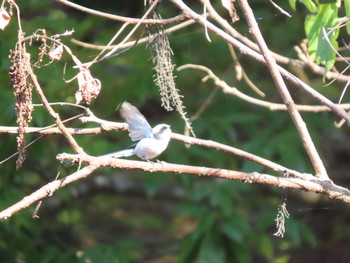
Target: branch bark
x: 124, y: 19
x: 270, y: 105
x: 47, y: 190
x: 55, y: 116
x: 283, y: 90
x: 313, y: 185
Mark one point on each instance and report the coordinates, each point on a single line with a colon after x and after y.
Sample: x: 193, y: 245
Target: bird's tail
x: 122, y: 153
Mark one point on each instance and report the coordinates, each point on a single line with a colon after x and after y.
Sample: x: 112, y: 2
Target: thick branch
x: 50, y: 110
x: 313, y: 185
x: 47, y: 190
x: 283, y: 90
x: 106, y: 125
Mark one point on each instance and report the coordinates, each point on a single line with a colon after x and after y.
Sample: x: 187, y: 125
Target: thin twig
x: 43, y: 131
x: 129, y: 20
x: 244, y: 75
x: 272, y: 106
x: 51, y: 131
x: 201, y: 109
x: 121, y: 29
x: 325, y: 36
x: 28, y: 145
x: 132, y: 43
x: 343, y: 92
x: 154, y: 4
x: 280, y: 9
x: 205, y: 105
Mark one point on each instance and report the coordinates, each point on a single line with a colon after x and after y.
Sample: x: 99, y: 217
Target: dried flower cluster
x: 22, y: 91
x: 164, y: 77
x: 89, y: 87
x: 281, y: 219
x: 51, y: 49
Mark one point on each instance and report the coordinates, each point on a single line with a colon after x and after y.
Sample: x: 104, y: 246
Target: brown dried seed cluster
x: 164, y: 77
x: 22, y: 90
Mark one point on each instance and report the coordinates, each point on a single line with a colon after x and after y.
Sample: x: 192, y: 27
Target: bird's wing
x: 139, y: 128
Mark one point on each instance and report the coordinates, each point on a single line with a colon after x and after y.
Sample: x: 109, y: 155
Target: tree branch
x: 50, y: 110
x: 50, y: 131
x: 258, y: 57
x: 305, y: 65
x: 284, y: 92
x: 270, y: 105
x: 312, y: 185
x: 47, y: 190
x: 123, y: 18
x: 134, y: 42
x: 217, y: 146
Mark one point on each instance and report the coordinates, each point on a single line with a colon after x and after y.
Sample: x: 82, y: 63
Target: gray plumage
x: 152, y: 142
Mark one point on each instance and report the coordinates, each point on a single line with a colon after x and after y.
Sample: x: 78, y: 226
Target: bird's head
x: 162, y: 131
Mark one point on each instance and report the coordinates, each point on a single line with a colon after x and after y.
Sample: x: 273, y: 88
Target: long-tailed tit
x: 152, y: 142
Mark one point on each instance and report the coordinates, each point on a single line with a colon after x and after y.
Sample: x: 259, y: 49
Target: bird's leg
x: 152, y: 164
x: 161, y: 163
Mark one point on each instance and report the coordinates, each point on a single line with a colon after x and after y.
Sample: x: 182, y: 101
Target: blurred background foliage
x: 131, y: 216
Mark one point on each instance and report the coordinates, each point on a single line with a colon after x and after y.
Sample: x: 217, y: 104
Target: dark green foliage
x: 133, y: 216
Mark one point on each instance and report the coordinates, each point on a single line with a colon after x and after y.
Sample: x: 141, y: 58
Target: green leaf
x: 229, y: 229
x: 244, y: 254
x: 212, y: 248
x: 193, y: 242
x: 318, y: 46
x: 266, y: 247
x: 347, y: 13
x: 221, y: 198
x: 293, y: 231
x: 283, y: 258
x: 292, y: 3
x: 311, y: 6
x: 153, y: 183
x: 308, y: 234
x: 188, y: 251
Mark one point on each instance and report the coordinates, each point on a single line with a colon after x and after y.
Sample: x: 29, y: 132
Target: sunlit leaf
x: 292, y: 3
x: 347, y: 13
x: 315, y: 26
x: 310, y: 5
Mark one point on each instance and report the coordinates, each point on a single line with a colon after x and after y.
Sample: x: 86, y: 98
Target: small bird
x: 152, y: 142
